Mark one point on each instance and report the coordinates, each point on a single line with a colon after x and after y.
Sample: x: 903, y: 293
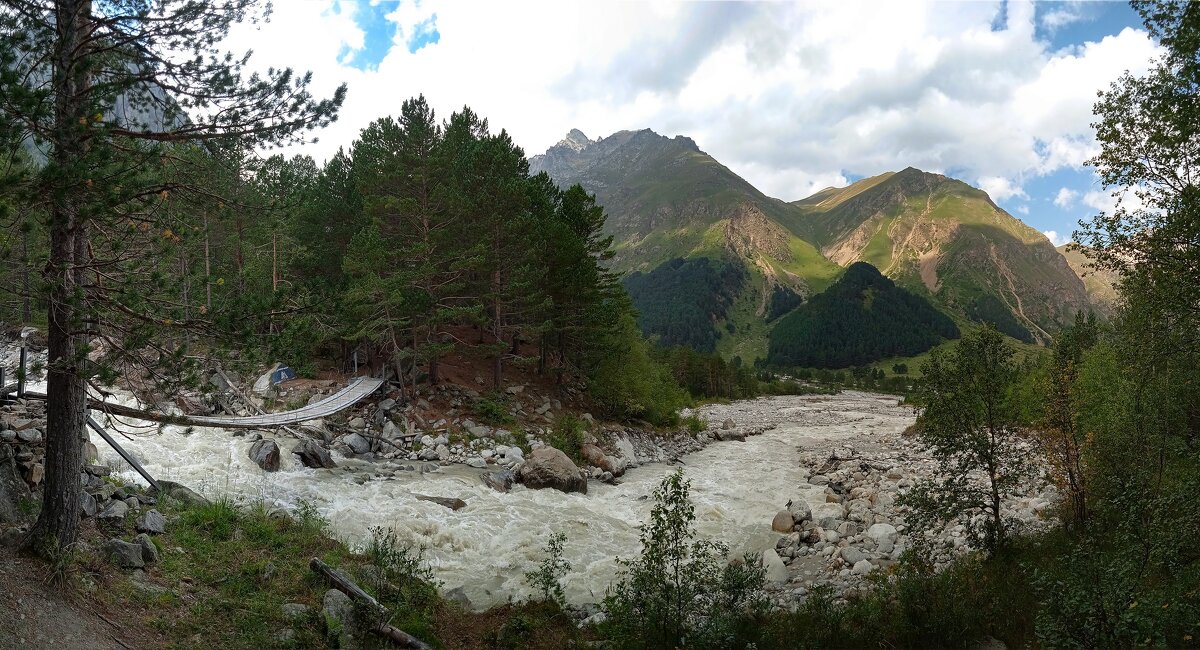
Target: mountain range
x: 935, y: 236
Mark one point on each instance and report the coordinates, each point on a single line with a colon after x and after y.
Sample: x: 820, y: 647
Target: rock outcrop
x: 547, y: 467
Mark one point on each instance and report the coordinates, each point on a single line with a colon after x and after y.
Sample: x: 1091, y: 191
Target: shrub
x: 567, y: 435
x: 681, y: 592
x: 547, y: 578
x: 694, y: 423
x: 493, y: 410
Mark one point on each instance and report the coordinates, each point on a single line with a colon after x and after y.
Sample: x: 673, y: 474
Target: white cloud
x: 1062, y: 15
x: 1065, y: 197
x: 790, y: 96
x: 1001, y: 189
x: 1023, y: 209
x: 1055, y: 238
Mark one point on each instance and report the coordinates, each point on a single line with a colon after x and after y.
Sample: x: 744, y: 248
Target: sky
x: 794, y: 97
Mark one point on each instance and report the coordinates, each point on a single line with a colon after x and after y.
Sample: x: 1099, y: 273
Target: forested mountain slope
x: 667, y: 200
x: 860, y: 319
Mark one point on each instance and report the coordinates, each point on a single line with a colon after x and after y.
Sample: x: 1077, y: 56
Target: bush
x: 681, y: 592
x: 547, y: 579
x: 567, y: 436
x: 493, y: 410
x: 694, y: 423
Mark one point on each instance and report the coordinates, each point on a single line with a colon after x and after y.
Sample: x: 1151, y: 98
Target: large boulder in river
x: 312, y: 454
x: 783, y: 522
x: 547, y: 467
x: 500, y: 481
x: 265, y: 453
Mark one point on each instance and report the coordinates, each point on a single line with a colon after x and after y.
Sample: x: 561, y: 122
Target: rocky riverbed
x: 840, y: 461
x: 840, y: 522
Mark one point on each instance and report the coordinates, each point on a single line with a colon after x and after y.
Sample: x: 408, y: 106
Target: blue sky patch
x: 379, y: 33
x: 424, y: 33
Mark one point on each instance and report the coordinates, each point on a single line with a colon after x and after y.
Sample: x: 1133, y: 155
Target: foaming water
x: 486, y: 547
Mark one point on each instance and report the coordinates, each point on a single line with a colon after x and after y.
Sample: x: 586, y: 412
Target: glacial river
x: 486, y: 547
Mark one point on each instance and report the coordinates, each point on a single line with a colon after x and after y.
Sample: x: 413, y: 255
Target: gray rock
x: 727, y: 424
x: 387, y: 404
x: 449, y: 502
x: 115, y: 511
x: 500, y: 481
x: 442, y: 452
x: 357, y: 443
x: 548, y: 467
x: 355, y: 423
x: 863, y: 567
x: 800, y: 510
x: 339, y: 617
x: 312, y: 454
x: 152, y: 522
x: 853, y: 555
x: 8, y: 435
x: 776, y: 571
x: 879, y: 532
x: 476, y: 462
x: 29, y: 436
x: 87, y: 505
x: 149, y: 550
x: 294, y: 611
x: 124, y: 554
x: 265, y: 454
x: 181, y: 493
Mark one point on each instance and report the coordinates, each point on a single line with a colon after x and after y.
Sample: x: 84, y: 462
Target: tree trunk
x: 57, y: 527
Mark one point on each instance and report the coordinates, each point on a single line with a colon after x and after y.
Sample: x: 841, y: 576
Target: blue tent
x: 281, y: 374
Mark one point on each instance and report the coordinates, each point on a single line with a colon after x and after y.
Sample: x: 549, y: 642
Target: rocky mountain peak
x: 575, y: 141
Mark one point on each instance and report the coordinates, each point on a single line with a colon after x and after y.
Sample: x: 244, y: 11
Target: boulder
x: 181, y: 493
x: 548, y: 467
x: 476, y: 462
x: 451, y: 503
x: 124, y: 554
x: 727, y: 424
x: 29, y: 436
x: 357, y: 443
x: 312, y: 454
x: 149, y: 550
x: 800, y: 510
x: 442, y: 452
x: 500, y: 481
x: 776, y: 572
x: 338, y: 611
x: 880, y: 532
x: 90, y: 453
x: 87, y: 505
x: 830, y: 510
x: 152, y: 522
x: 726, y: 435
x: 853, y: 555
x: 265, y: 454
x: 863, y: 567
x: 115, y: 511
x: 783, y: 522
x: 295, y: 611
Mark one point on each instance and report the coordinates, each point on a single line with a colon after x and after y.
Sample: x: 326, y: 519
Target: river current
x: 485, y: 548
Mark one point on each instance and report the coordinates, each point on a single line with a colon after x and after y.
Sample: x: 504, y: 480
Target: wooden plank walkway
x: 356, y: 390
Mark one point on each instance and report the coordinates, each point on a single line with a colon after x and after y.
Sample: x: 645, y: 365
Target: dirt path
x: 37, y: 615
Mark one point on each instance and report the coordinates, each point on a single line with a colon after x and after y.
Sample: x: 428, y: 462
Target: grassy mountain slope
x: 1101, y: 284
x: 666, y: 199
x: 942, y: 237
x: 860, y: 319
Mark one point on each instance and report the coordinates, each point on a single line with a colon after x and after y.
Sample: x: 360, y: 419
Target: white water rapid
x: 486, y: 547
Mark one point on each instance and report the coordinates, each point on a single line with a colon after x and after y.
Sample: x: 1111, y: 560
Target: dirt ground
x: 35, y: 614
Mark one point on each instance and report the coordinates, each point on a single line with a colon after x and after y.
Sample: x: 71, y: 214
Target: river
x: 485, y: 548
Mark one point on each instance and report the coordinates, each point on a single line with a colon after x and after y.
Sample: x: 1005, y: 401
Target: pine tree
x: 107, y: 91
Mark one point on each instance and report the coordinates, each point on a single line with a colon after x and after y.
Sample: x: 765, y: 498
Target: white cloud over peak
x: 790, y: 96
x: 1055, y: 238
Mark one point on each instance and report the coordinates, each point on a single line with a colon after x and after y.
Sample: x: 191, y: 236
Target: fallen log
x: 344, y: 584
